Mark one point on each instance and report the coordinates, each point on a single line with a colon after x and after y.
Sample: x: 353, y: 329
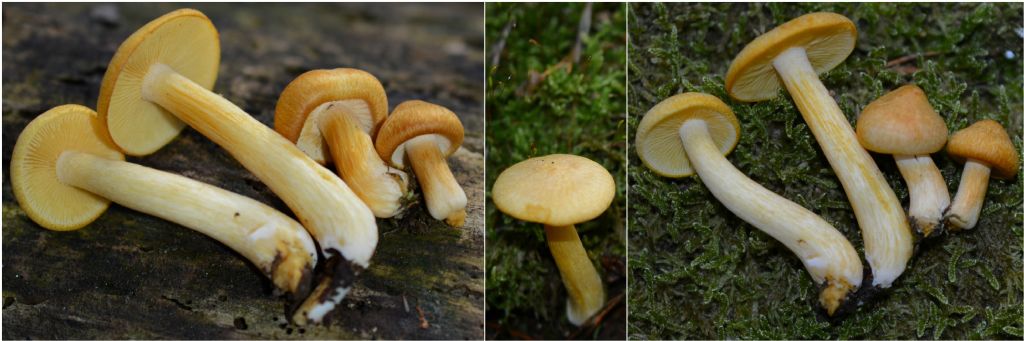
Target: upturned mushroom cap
x: 901, y: 123
x: 359, y: 91
x: 34, y: 178
x: 556, y: 190
x: 986, y: 142
x: 828, y: 39
x: 415, y: 118
x: 657, y: 138
x: 186, y: 41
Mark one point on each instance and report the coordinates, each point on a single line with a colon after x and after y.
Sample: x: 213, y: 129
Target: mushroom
x: 162, y: 74
x: 692, y: 132
x: 903, y: 124
x: 427, y: 133
x: 340, y: 111
x: 985, y: 149
x: 65, y: 171
x: 793, y: 55
x: 560, y: 191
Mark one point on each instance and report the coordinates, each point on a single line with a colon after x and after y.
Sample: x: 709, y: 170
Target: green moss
x: 581, y: 112
x: 697, y: 271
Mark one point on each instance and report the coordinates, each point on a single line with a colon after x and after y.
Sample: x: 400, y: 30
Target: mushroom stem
x: 379, y: 186
x: 445, y: 198
x: 586, y: 292
x: 929, y: 196
x: 963, y: 213
x: 827, y: 254
x: 324, y: 205
x: 888, y: 242
x: 275, y: 243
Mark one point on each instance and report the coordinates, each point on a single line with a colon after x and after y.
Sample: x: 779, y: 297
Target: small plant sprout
x: 691, y: 133
x: 427, y: 133
x: 985, y: 149
x: 791, y: 56
x: 65, y: 171
x: 560, y: 191
x: 334, y: 114
x: 903, y: 124
x: 160, y: 77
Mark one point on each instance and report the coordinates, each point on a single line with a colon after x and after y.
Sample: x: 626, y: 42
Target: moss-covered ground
x: 579, y: 112
x: 698, y: 271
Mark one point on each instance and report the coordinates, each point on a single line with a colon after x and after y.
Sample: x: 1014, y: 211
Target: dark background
x: 128, y: 275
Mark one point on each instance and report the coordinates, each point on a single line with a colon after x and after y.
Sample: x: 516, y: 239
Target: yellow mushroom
x: 65, y: 171
x: 560, y: 191
x: 791, y: 56
x: 985, y: 149
x: 334, y: 114
x: 426, y: 134
x: 691, y: 133
x: 159, y: 80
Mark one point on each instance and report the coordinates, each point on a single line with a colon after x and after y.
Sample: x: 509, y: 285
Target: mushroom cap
x: 40, y: 193
x: 359, y: 91
x: 986, y: 142
x: 828, y: 39
x: 657, y: 138
x: 415, y: 118
x: 901, y: 122
x: 186, y: 41
x: 556, y: 190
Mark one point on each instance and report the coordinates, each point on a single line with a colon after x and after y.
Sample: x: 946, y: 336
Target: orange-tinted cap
x: 986, y: 142
x: 901, y: 122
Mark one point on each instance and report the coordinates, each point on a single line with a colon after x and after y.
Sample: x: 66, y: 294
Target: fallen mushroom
x: 340, y: 111
x: 162, y: 74
x: 985, y: 149
x: 560, y: 191
x: 427, y: 133
x: 903, y: 124
x: 793, y: 55
x: 693, y: 132
x: 65, y: 171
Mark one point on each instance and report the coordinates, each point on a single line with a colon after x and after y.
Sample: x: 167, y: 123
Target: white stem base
x: 445, y: 198
x: 827, y: 254
x: 929, y: 196
x: 966, y: 207
x: 888, y: 241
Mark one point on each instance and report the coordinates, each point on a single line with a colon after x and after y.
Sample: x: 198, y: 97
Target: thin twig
x: 498, y: 47
x: 910, y: 57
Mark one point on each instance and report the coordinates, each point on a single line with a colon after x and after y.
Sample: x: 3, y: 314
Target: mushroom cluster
x: 68, y: 164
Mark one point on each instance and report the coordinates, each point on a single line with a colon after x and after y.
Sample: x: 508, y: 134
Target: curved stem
x: 888, y: 242
x: 929, y: 196
x: 325, y: 206
x: 445, y: 198
x: 827, y: 254
x: 379, y: 186
x: 586, y: 292
x: 966, y: 207
x: 278, y: 245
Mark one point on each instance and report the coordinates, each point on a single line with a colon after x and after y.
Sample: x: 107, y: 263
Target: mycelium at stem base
x: 929, y: 196
x: 888, y: 241
x: 827, y: 255
x: 966, y: 207
x: 581, y: 280
x: 379, y: 186
x: 445, y: 198
x: 326, y: 207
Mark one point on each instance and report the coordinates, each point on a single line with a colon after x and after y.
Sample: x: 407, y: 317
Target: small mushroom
x: 792, y: 55
x: 335, y: 114
x: 560, y: 191
x: 160, y: 77
x: 427, y: 133
x: 985, y: 149
x: 693, y: 132
x: 903, y: 124
x: 65, y: 171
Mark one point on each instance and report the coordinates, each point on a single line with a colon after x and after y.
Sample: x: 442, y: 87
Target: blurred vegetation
x: 698, y: 271
x: 579, y: 111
